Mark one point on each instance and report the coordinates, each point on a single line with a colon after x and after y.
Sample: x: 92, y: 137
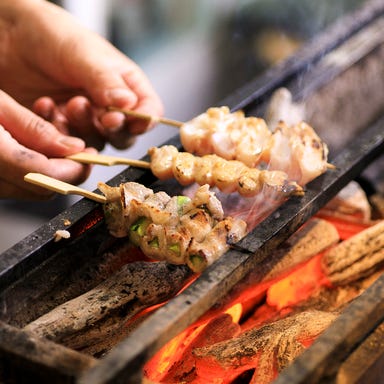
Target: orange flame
x: 280, y: 293
x: 298, y: 285
x: 157, y: 368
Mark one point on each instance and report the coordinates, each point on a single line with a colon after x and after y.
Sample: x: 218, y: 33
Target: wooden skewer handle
x: 62, y: 187
x: 92, y: 158
x: 155, y: 119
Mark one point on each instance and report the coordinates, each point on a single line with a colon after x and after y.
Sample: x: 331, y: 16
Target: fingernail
x: 114, y: 128
x: 72, y: 142
x: 112, y: 121
x: 120, y: 96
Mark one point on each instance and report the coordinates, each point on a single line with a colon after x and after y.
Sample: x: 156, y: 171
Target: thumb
x: 34, y: 132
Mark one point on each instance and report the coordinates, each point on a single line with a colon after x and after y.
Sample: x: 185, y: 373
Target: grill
x: 37, y: 274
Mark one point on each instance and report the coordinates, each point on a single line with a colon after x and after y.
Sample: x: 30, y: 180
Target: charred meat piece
x: 178, y: 229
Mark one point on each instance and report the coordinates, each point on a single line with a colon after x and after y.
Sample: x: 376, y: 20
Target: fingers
x: 45, y: 108
x: 95, y: 127
x: 120, y: 129
x: 121, y: 139
x: 112, y: 79
x: 17, y: 160
x: 148, y: 102
x: 30, y: 144
x: 34, y: 132
x: 76, y: 117
x: 82, y: 119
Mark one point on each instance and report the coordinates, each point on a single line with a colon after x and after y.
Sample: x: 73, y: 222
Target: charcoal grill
x: 37, y: 274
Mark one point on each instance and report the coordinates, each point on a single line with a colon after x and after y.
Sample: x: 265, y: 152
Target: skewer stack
x: 294, y: 149
x: 194, y: 231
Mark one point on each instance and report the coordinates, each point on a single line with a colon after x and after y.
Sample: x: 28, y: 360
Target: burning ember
x: 264, y: 325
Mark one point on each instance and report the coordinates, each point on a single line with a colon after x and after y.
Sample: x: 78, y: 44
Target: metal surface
x: 123, y: 363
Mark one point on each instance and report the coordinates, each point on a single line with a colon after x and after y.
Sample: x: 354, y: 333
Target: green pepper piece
x: 138, y: 229
x: 154, y: 243
x: 181, y: 201
x: 197, y: 263
x: 175, y: 248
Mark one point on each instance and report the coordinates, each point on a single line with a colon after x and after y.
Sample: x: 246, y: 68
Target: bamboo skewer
x: 91, y: 158
x: 62, y: 187
x: 155, y: 119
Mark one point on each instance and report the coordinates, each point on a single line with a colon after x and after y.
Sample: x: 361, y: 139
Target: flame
x: 172, y: 352
x: 289, y: 290
x: 298, y: 285
x: 281, y: 294
x: 235, y: 312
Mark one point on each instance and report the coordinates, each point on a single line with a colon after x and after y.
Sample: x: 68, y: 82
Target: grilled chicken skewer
x: 177, y: 229
x: 228, y: 175
x: 295, y: 149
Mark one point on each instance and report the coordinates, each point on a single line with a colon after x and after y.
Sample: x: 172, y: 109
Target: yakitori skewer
x: 155, y: 119
x: 227, y: 175
x: 234, y: 136
x: 62, y: 187
x: 179, y: 229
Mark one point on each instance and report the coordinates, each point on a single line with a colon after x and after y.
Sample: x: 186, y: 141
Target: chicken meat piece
x: 216, y: 243
x: 162, y: 161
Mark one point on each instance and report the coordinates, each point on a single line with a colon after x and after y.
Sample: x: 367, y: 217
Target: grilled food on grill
x: 228, y: 175
x: 295, y: 149
x: 178, y: 229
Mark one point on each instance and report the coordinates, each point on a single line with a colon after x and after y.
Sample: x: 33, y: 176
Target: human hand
x: 69, y: 75
x: 30, y: 144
